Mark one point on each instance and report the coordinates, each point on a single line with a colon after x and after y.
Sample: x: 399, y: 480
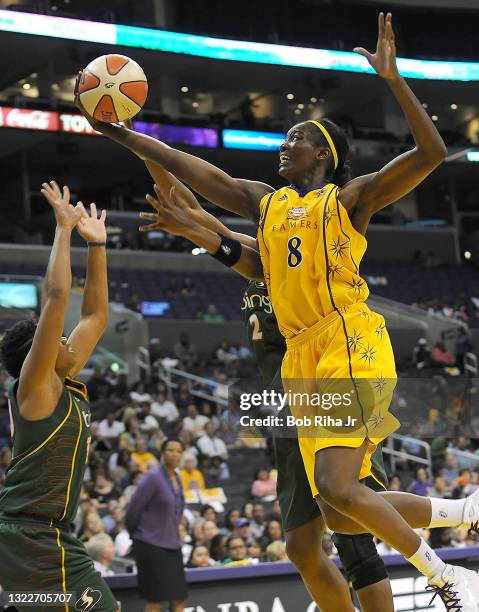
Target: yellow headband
x: 328, y: 139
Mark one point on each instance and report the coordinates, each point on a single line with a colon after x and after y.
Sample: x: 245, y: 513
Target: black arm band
x: 229, y: 251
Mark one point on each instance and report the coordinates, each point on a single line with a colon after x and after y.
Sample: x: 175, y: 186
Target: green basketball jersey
x: 44, y: 479
x: 265, y: 339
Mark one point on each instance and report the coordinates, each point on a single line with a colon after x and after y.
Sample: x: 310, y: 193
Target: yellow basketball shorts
x: 339, y: 377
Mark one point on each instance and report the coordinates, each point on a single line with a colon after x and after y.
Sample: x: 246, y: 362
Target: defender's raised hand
x: 66, y: 215
x: 172, y: 213
x: 91, y: 227
x: 384, y: 59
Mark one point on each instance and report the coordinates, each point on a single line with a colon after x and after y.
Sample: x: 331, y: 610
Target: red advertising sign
x: 76, y: 124
x: 27, y: 119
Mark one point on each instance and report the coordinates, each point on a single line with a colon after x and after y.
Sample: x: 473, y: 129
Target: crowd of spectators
x: 130, y: 423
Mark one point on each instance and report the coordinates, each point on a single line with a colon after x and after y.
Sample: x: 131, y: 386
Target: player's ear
x: 323, y: 154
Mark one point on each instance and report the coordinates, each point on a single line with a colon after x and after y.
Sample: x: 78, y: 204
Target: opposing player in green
x: 50, y: 425
x: 301, y: 517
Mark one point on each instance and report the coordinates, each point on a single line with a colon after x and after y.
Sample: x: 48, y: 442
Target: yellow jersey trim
x: 49, y: 437
x: 64, y: 582
x: 74, y: 458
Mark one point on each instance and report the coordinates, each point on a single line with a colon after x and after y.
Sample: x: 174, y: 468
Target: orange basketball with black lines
x: 113, y: 88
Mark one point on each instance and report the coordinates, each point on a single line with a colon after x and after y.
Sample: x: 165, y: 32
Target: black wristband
x: 229, y: 251
x: 96, y: 244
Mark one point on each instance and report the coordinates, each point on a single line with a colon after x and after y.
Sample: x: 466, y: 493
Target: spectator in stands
x: 273, y: 532
x: 247, y: 510
x: 188, y: 443
x: 439, y: 489
x: 242, y: 529
x: 208, y: 513
x: 148, y: 423
x: 103, y: 492
x: 119, y: 465
x: 207, y: 411
x: 198, y: 531
x: 200, y: 557
x: 263, y: 487
x: 231, y: 517
x: 237, y: 552
x: 218, y: 470
x: 212, y: 315
x: 139, y: 394
x: 450, y: 471
x: 210, y: 445
x: 164, y: 408
x: 134, y: 303
x: 110, y: 428
x: 185, y: 351
x: 218, y: 547
x: 194, y: 422
x: 153, y: 520
x: 226, y: 433
x: 182, y: 397
x: 441, y: 357
x: 421, y: 354
x: 142, y: 456
x: 255, y: 549
x: 102, y: 551
x: 421, y: 485
x: 191, y: 477
x: 258, y: 522
x: 93, y: 526
x: 463, y: 445
x: 276, y: 551
x: 395, y: 483
x: 188, y: 289
x: 210, y: 530
x: 120, y: 535
x: 463, y: 346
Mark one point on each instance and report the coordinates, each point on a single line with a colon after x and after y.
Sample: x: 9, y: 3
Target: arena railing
x: 168, y: 374
x: 388, y: 449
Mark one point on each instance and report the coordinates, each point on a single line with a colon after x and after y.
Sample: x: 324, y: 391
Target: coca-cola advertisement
x: 26, y: 119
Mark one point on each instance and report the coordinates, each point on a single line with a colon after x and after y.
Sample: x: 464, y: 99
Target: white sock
x: 426, y: 561
x: 446, y: 512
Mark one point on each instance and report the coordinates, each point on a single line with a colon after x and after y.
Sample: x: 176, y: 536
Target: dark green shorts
x: 294, y: 493
x: 36, y: 557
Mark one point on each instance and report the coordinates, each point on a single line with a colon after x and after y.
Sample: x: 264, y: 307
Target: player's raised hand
x: 384, y: 59
x: 66, y: 215
x: 99, y: 126
x: 91, y: 227
x: 172, y: 213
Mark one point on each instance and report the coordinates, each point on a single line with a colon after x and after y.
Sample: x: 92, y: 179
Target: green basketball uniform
x: 40, y: 500
x: 268, y: 345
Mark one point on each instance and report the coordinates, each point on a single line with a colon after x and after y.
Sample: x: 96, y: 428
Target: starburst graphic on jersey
x: 334, y: 269
x: 375, y: 420
x: 354, y: 341
x: 379, y: 384
x: 380, y: 331
x: 356, y: 285
x: 338, y: 248
x: 328, y: 215
x: 367, y: 354
x: 364, y: 314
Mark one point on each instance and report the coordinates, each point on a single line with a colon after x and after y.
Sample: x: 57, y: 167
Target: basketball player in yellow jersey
x: 313, y: 159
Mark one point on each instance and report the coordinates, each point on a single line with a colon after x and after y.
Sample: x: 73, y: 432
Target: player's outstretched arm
x: 164, y: 181
x: 94, y: 314
x: 236, y: 195
x: 40, y: 386
x: 174, y: 216
x: 375, y: 191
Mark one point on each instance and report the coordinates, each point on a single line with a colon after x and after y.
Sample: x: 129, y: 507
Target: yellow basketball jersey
x: 311, y: 255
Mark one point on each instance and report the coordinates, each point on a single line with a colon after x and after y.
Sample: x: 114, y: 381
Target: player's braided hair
x: 15, y: 345
x: 342, y: 174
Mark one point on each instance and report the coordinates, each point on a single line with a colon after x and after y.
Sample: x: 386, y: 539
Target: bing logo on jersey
x: 297, y: 212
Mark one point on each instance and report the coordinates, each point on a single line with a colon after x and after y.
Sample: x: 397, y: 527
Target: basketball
x: 113, y: 88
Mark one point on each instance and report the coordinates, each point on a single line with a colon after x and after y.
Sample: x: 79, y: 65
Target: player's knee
x: 306, y: 557
x: 338, y: 495
x: 360, y: 560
